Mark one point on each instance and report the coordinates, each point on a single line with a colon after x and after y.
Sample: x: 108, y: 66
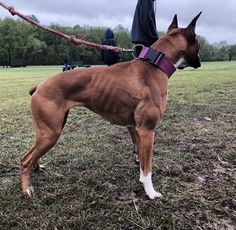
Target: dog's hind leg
x: 48, y: 126
x: 42, y: 145
x: 36, y: 165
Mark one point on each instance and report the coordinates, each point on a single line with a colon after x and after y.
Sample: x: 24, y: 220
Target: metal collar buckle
x: 154, y: 57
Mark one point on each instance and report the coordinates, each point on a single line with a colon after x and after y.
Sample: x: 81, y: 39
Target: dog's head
x: 188, y: 43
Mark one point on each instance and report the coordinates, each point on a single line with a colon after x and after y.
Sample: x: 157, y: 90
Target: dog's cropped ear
x: 174, y: 24
x: 192, y: 25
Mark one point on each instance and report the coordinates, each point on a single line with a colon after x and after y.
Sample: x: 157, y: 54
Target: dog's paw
x: 136, y: 159
x: 38, y: 168
x: 152, y: 195
x: 150, y: 191
x: 148, y: 186
x: 29, y: 192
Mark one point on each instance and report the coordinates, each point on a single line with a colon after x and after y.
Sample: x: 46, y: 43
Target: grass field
x: 90, y: 180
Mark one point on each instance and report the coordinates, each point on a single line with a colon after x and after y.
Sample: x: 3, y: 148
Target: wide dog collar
x: 157, y: 59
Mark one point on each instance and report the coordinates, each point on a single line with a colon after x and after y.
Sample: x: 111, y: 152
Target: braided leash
x: 71, y: 38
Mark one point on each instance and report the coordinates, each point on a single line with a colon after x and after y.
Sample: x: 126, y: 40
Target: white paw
x: 148, y: 186
x: 152, y: 195
x: 42, y: 166
x: 39, y: 167
x: 136, y: 158
x: 29, y: 192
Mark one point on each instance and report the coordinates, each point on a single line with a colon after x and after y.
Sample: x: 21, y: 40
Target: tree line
x: 20, y: 40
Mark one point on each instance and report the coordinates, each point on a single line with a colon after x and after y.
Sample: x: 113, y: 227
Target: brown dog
x: 131, y: 94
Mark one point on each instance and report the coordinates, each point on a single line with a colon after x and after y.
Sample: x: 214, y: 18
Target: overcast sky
x: 217, y: 22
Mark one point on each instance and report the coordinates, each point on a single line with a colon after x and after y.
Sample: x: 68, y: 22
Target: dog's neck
x: 171, y: 49
x: 166, y: 53
x: 157, y: 59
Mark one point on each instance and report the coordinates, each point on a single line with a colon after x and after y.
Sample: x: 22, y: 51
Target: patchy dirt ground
x: 91, y: 182
x: 90, y: 179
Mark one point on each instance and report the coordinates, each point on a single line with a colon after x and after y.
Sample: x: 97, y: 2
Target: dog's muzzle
x: 193, y: 62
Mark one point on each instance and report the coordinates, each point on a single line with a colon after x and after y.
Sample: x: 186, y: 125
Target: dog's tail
x: 33, y: 89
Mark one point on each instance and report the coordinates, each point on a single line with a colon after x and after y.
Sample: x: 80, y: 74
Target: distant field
x: 91, y: 181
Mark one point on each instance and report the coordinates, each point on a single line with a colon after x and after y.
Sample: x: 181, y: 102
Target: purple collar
x: 157, y: 59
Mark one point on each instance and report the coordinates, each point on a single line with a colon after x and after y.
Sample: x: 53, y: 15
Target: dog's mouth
x: 185, y: 66
x: 196, y: 63
x: 181, y: 67
x: 191, y: 62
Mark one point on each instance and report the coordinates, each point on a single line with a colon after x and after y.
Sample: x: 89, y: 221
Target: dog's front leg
x: 134, y: 138
x: 145, y: 149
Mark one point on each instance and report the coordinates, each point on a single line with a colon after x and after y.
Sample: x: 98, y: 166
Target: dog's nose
x: 197, y: 65
x: 197, y: 62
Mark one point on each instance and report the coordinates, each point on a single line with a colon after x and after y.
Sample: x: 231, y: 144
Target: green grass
x: 91, y: 181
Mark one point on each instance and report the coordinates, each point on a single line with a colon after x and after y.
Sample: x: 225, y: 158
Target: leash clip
x: 126, y: 50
